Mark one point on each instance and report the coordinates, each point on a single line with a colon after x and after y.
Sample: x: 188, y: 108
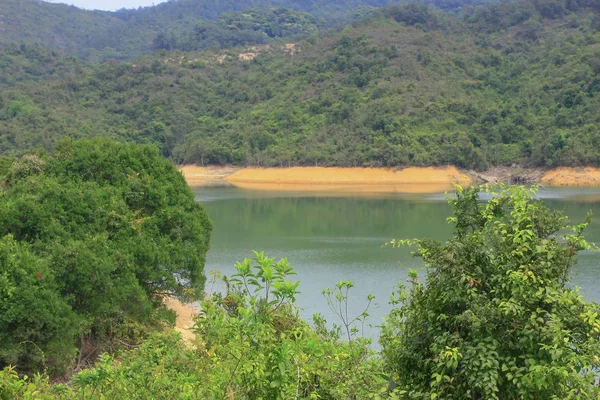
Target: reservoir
x: 329, y: 236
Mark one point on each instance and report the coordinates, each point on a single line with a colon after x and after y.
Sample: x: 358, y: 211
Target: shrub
x: 495, y: 319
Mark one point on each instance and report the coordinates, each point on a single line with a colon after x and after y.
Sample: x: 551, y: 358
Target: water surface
x: 332, y: 236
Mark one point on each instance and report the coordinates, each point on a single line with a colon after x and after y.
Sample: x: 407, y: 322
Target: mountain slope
x: 411, y: 86
x: 326, y: 9
x: 127, y: 34
x: 90, y: 34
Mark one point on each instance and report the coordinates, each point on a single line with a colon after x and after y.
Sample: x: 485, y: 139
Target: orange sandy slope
x: 368, y: 180
x: 322, y: 175
x: 407, y: 180
x: 572, y: 176
x: 200, y: 176
x: 372, y: 180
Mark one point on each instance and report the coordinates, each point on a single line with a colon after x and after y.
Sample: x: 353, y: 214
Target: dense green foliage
x: 21, y: 63
x: 509, y: 83
x: 238, y: 29
x: 330, y: 10
x: 289, y: 19
x: 495, y: 318
x: 91, y: 34
x: 129, y: 33
x: 94, y: 235
x: 252, y: 345
x: 37, y: 326
x: 91, y: 238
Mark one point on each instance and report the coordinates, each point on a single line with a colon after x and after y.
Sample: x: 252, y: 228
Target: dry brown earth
x: 401, y: 180
x: 334, y: 175
x: 203, y: 176
x: 185, y: 317
x: 572, y: 176
x: 373, y: 180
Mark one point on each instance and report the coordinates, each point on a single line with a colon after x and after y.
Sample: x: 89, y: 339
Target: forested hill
x: 511, y: 83
x: 327, y: 9
x: 127, y: 34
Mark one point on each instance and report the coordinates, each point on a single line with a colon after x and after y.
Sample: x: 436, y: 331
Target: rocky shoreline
x: 511, y: 175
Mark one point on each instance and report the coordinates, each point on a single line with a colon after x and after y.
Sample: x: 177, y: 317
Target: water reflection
x: 338, y: 235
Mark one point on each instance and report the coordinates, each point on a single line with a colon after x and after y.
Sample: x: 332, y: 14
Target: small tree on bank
x: 494, y: 319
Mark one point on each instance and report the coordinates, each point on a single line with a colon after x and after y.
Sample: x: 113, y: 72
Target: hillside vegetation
x: 511, y: 83
x: 131, y: 33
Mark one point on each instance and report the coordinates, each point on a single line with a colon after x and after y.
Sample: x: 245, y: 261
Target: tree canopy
x: 92, y: 237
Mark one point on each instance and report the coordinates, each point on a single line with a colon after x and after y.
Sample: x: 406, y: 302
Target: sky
x: 109, y: 5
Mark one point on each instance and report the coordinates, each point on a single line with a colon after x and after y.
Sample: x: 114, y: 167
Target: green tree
x: 37, y: 326
x: 495, y: 319
x: 115, y: 228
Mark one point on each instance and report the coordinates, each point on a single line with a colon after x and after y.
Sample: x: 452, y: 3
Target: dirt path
x: 185, y: 318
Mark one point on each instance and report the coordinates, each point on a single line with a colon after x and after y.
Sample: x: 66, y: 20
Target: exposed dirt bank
x: 205, y: 176
x: 381, y: 180
x: 372, y: 180
x: 369, y: 176
x: 354, y: 189
x: 570, y: 176
x: 185, y: 317
x: 563, y: 176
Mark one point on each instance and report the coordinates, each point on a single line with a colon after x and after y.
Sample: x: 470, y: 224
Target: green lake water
x: 329, y: 237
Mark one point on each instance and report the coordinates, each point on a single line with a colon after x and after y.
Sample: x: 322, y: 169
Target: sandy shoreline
x: 333, y: 175
x: 367, y: 180
x: 185, y: 318
x: 572, y: 176
x: 380, y: 180
x: 202, y: 176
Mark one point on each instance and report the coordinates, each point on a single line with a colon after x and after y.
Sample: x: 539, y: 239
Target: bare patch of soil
x: 336, y: 176
x: 572, y: 176
x: 185, y: 317
x: 197, y: 176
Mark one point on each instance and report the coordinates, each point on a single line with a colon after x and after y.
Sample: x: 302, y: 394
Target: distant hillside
x: 22, y: 63
x: 326, y: 9
x: 127, y: 34
x: 510, y: 83
x: 90, y: 34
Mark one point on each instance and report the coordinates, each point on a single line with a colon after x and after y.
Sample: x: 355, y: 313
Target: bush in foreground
x: 251, y: 345
x: 495, y: 319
